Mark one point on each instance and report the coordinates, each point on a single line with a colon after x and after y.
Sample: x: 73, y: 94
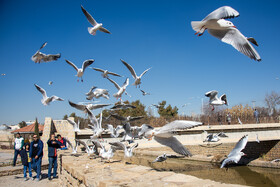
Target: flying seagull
x: 122, y: 106
x: 165, y: 134
x: 126, y: 119
x: 46, y: 100
x: 128, y: 151
x: 144, y: 93
x: 80, y: 71
x: 225, y: 31
x: 133, y: 73
x: 235, y: 155
x: 96, y: 125
x: 214, y: 100
x: 239, y: 121
x: 50, y: 82
x: 96, y: 26
x: 89, y: 150
x: 38, y: 57
x: 88, y: 106
x: 95, y: 92
x: 121, y: 90
x: 114, y: 132
x: 75, y: 125
x: 105, y: 73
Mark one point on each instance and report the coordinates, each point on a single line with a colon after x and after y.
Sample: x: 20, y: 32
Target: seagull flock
x: 216, y: 25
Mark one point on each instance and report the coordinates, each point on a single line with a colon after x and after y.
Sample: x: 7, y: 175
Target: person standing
x: 53, y: 144
x: 36, y: 154
x: 62, y: 141
x: 220, y: 119
x: 26, y: 161
x: 19, y: 141
x: 256, y: 115
x: 228, y: 118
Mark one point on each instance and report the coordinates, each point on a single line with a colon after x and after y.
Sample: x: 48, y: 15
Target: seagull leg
x: 213, y: 108
x: 82, y: 79
x: 202, y: 33
x: 199, y: 30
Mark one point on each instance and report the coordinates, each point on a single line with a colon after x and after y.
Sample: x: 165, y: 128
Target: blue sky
x: 146, y: 34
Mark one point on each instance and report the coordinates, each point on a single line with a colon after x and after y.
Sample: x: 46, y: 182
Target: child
x: 26, y: 161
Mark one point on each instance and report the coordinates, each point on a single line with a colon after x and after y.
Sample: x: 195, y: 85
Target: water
x: 251, y: 176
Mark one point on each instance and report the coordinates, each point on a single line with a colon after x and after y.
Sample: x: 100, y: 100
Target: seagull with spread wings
x: 105, y: 73
x: 235, y: 155
x: 224, y: 30
x: 114, y: 132
x: 89, y: 106
x: 38, y: 57
x: 121, y: 90
x: 214, y: 100
x: 80, y: 71
x: 128, y: 151
x: 96, y: 26
x: 165, y: 134
x: 133, y: 73
x: 95, y: 92
x: 46, y: 100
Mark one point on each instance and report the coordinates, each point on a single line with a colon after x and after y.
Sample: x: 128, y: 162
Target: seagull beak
x: 234, y: 26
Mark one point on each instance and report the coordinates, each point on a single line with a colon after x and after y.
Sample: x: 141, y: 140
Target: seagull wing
x: 77, y: 106
x: 104, y: 30
x: 90, y: 19
x: 144, y: 72
x: 118, y: 145
x: 87, y: 63
x: 253, y: 41
x: 118, y: 117
x: 235, y: 38
x: 84, y: 144
x: 116, y: 85
x: 178, y: 125
x: 212, y: 94
x: 174, y: 144
x: 92, y: 117
x: 98, y: 69
x: 115, y: 74
x: 129, y: 67
x: 96, y: 106
x: 126, y: 83
x: 43, y: 92
x: 54, y: 97
x: 224, y: 12
x: 44, y: 44
x: 136, y: 118
x: 240, y: 145
x: 69, y: 143
x: 71, y: 64
x: 96, y: 143
x: 73, y: 123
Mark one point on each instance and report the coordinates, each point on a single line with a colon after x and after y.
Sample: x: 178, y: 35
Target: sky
x: 145, y: 34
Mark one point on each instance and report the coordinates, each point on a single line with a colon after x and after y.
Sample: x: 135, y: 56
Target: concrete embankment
x: 84, y: 171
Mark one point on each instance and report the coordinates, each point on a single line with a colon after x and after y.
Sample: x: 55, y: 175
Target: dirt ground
x: 18, y: 180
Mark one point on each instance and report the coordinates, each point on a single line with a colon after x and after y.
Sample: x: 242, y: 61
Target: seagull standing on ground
x: 96, y: 26
x: 133, y: 73
x: 214, y: 100
x: 121, y: 90
x: 38, y: 57
x: 235, y: 155
x: 80, y: 71
x: 225, y: 31
x: 46, y: 100
x: 160, y: 158
x: 105, y: 73
x: 165, y: 134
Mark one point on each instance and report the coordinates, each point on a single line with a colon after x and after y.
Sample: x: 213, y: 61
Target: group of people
x: 32, y: 153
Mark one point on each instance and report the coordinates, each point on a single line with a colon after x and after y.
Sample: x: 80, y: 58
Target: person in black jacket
x: 26, y: 161
x: 36, y: 155
x: 53, y: 144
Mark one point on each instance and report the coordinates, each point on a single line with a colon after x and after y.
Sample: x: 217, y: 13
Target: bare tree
x: 272, y: 100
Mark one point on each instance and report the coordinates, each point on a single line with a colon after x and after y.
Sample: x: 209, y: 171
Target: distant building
x: 28, y: 130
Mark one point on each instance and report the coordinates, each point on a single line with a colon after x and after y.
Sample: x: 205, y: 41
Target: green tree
x: 36, y: 129
x: 22, y: 124
x: 65, y: 117
x: 168, y: 111
x: 73, y: 115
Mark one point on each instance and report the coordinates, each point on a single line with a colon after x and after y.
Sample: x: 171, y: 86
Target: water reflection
x: 252, y: 176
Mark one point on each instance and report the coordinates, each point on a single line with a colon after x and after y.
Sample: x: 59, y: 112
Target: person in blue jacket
x: 53, y: 144
x: 36, y: 154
